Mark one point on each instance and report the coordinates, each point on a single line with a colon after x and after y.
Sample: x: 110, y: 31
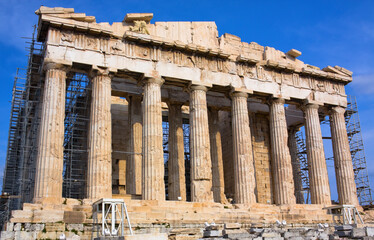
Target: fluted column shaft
x: 218, y: 181
x: 134, y: 165
x: 49, y: 163
x: 99, y: 174
x: 342, y: 158
x: 318, y: 177
x: 244, y: 174
x: 153, y: 186
x: 295, y: 166
x: 176, y: 178
x: 281, y: 160
x: 201, y: 165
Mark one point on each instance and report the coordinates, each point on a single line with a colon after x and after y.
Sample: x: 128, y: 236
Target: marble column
x: 176, y: 178
x: 201, y: 165
x: 49, y: 162
x: 298, y: 184
x: 342, y: 158
x: 99, y: 174
x: 134, y: 164
x: 281, y: 160
x: 244, y: 173
x: 218, y: 181
x: 318, y: 177
x: 153, y: 186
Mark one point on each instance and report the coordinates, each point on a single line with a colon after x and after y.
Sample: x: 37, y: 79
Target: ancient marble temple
x: 242, y: 102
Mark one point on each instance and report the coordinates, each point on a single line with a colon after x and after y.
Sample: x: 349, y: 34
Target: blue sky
x: 326, y: 32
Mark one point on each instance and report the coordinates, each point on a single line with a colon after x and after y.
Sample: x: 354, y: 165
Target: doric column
x: 201, y: 165
x: 153, y: 186
x: 134, y: 164
x: 244, y: 173
x: 281, y: 160
x: 298, y: 184
x: 342, y: 158
x: 99, y: 173
x: 218, y: 182
x: 318, y: 177
x: 49, y: 162
x: 176, y: 178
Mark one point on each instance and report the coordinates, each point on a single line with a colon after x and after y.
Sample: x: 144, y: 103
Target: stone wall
x: 262, y: 157
x: 120, y: 143
x: 227, y: 152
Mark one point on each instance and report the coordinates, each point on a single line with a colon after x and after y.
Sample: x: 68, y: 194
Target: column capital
x: 193, y: 87
x: 61, y: 65
x: 277, y: 100
x: 159, y: 81
x: 337, y: 109
x: 238, y: 94
x: 305, y: 106
x: 101, y: 71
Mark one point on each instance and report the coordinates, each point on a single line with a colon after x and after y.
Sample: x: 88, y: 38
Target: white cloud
x: 363, y: 84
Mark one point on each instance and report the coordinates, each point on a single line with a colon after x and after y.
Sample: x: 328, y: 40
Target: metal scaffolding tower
x: 304, y: 172
x: 186, y: 142
x: 356, y: 145
x: 75, y: 138
x: 18, y: 181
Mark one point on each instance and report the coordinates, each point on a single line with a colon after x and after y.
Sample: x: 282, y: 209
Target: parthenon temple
x: 185, y: 125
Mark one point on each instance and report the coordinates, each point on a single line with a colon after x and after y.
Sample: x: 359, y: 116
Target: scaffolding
x: 19, y: 172
x: 356, y: 146
x: 75, y: 138
x: 186, y: 143
x: 18, y: 180
x: 302, y: 157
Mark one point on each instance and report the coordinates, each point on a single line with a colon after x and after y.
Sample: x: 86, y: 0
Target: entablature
x: 252, y: 68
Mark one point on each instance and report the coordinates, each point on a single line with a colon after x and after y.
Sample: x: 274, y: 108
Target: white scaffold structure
x: 347, y: 214
x: 109, y: 218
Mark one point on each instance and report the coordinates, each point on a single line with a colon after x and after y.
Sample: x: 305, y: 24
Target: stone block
x: 77, y: 227
x: 212, y: 233
x: 370, y: 231
x: 72, y: 201
x: 295, y: 238
x: 235, y: 233
x: 22, y: 235
x: 358, y: 232
x: 48, y: 216
x: 256, y: 230
x: 37, y: 227
x: 288, y: 235
x: 48, y: 235
x: 343, y: 227
x: 74, y: 217
x: 7, y: 235
x: 323, y: 236
x: 21, y: 216
x: 271, y: 235
x: 73, y: 237
x: 153, y: 236
x: 346, y: 233
x: 367, y: 238
x: 31, y: 206
x: 232, y: 226
x: 333, y: 237
x: 55, y: 227
x: 9, y: 226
